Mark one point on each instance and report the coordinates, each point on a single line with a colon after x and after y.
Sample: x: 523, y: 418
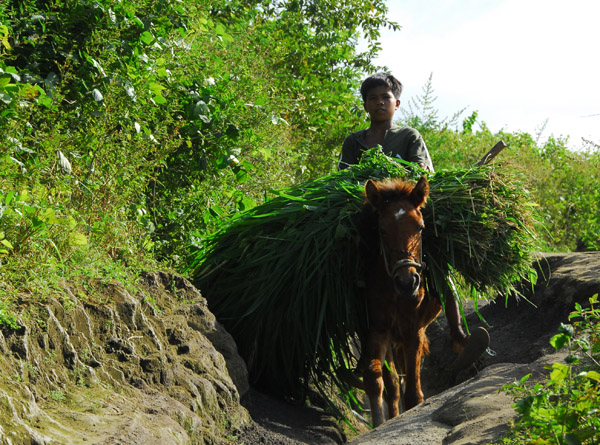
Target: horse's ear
x: 373, y: 195
x: 420, y: 193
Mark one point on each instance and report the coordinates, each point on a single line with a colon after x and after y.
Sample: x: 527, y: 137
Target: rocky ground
x: 109, y: 366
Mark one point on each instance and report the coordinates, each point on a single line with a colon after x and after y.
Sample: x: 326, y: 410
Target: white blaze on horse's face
x: 399, y: 214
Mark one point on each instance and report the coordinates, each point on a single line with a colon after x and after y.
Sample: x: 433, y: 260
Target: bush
x: 564, y: 409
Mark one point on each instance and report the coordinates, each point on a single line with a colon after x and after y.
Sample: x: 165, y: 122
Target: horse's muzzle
x: 406, y: 278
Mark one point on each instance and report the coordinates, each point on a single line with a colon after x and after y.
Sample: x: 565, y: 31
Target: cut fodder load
x: 285, y: 277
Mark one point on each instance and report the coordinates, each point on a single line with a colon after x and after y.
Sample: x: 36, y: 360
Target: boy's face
x: 381, y: 104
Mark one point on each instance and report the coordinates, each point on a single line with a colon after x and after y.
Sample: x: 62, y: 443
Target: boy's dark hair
x: 379, y: 79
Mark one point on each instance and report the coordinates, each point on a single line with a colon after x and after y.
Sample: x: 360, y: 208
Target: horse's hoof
x: 474, y: 346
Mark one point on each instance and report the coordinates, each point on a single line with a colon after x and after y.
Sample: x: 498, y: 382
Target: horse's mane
x: 395, y: 189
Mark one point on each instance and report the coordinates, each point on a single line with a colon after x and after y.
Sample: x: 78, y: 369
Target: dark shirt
x: 399, y: 142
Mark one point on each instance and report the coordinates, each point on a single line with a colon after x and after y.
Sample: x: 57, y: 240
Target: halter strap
x: 405, y: 262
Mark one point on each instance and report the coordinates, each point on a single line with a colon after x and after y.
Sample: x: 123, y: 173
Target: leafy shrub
x: 564, y: 409
x: 150, y: 120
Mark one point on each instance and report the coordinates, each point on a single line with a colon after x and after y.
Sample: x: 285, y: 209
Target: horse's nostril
x: 417, y: 281
x: 407, y: 283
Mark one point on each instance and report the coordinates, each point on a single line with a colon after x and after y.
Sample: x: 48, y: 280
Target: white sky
x: 517, y: 62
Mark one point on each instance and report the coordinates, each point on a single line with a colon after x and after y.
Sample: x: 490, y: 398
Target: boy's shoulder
x: 404, y: 130
x: 357, y: 134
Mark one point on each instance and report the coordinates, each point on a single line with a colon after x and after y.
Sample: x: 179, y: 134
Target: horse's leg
x: 429, y: 309
x: 401, y: 369
x: 413, y: 352
x: 392, y: 387
x: 377, y: 345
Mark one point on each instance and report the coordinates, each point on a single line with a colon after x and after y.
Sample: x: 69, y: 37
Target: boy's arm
x: 417, y: 151
x: 349, y: 155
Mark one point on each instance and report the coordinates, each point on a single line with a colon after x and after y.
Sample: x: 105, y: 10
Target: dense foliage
x: 134, y: 126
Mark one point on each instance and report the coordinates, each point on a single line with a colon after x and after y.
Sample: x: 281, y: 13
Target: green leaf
x: 9, y: 198
x: 158, y: 99
x: 5, y: 80
x: 260, y: 100
x: 4, y: 37
x: 241, y: 176
x: 558, y: 341
x: 524, y: 405
x: 71, y: 222
x: 146, y: 38
x: 559, y: 372
x: 7, y: 243
x: 45, y: 100
x: 219, y: 29
x: 571, y: 359
x: 77, y: 239
x: 37, y: 223
x: 49, y: 216
x: 593, y: 375
x: 246, y: 203
x: 138, y: 22
x: 156, y: 88
x: 524, y: 379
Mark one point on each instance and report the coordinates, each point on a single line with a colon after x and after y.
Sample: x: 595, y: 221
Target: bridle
x: 418, y: 264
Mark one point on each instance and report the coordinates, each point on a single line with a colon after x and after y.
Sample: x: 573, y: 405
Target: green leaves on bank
x: 563, y: 409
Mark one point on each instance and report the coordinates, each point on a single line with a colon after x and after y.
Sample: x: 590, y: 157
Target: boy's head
x: 379, y: 79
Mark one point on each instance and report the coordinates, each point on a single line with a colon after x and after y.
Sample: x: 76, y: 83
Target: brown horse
x: 398, y: 307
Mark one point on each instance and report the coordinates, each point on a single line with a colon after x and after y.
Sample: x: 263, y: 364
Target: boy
x: 381, y: 96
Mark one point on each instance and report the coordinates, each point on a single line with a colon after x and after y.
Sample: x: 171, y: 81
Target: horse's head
x: 400, y: 223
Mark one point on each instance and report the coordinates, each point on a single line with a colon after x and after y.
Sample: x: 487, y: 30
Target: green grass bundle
x: 284, y: 277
